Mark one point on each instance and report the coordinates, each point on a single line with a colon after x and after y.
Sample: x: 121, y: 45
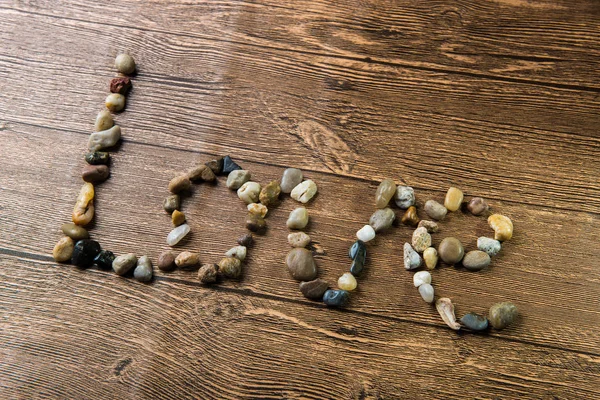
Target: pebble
x: 291, y: 178
x: 124, y: 263
x: 238, y: 252
x: 445, y: 307
x: 208, y: 273
x: 502, y: 315
x: 95, y: 173
x: 347, y: 282
x: 489, y: 245
x: 382, y: 219
x: 172, y: 203
x: 435, y: 210
x: 237, y: 178
x: 454, y: 198
x: 84, y: 252
x: 384, y: 193
x: 143, y: 271
x: 421, y: 277
x: 104, y: 259
x: 477, y: 206
x: 404, y: 197
x: 431, y: 226
x: 97, y: 158
x: 75, y: 232
x: 177, y: 218
x: 177, y: 234
x: 502, y: 226
x: 121, y: 85
x: 125, y: 64
x: 63, y: 250
x: 451, y: 250
x: 269, y: 195
x: 410, y: 216
x: 187, y: 260
x: 476, y: 260
x: 179, y: 184
x: 258, y: 209
x: 427, y: 292
x: 301, y: 264
x: 314, y: 289
x: 298, y: 239
x: 475, y: 322
x: 304, y: 191
x: 104, y: 121
x: 115, y: 102
x: 255, y: 223
x: 249, y: 192
x: 298, y: 218
x: 412, y: 259
x: 366, y: 233
x: 246, y: 240
x: 336, y: 298
x: 201, y: 173
x: 358, y: 254
x: 230, y: 267
x: 421, y: 239
x: 166, y: 261
x: 104, y: 139
x: 229, y: 165
x: 216, y: 166
x: 430, y: 255
x: 83, y: 212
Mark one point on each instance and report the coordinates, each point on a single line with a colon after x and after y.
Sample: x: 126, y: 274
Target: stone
x: 187, y: 260
x: 75, y: 232
x: 216, y: 166
x: 95, y: 173
x: 115, y: 102
x: 249, y: 192
x: 177, y: 218
x: 97, y: 158
x: 410, y: 217
x: 237, y: 178
x: 104, y: 121
x: 269, y: 195
x: 477, y: 206
x: 258, y: 209
x: 427, y: 292
x: 404, y: 197
x: 421, y: 239
x: 347, y: 282
x: 104, y: 139
x: 304, y: 191
x: 143, y: 271
x: 451, y: 250
x: 125, y: 64
x: 358, y: 254
x: 412, y: 259
x: 382, y: 219
x: 172, y: 203
x: 104, y: 259
x: 430, y: 256
x: 291, y: 178
x: 435, y: 210
x: 121, y: 85
x: 208, y: 273
x: 166, y: 261
x: 454, y: 198
x: 476, y: 260
x: 124, y: 263
x: 489, y: 245
x: 63, y: 250
x: 229, y: 165
x: 84, y: 252
x: 298, y: 239
x: 431, y: 226
x: 238, y: 252
x: 201, y: 173
x: 502, y: 315
x: 366, y: 233
x: 301, y: 264
x: 384, y: 193
x: 255, y: 223
x: 177, y: 234
x: 298, y: 218
x: 475, y: 322
x: 502, y: 226
x: 230, y: 267
x: 179, y: 184
x: 314, y: 289
x: 445, y: 308
x: 336, y: 298
x: 83, y: 212
x: 246, y: 240
x: 421, y: 277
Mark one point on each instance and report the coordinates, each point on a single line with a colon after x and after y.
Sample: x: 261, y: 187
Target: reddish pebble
x: 95, y: 173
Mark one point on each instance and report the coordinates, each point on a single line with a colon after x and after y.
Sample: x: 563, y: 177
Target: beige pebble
x: 249, y: 192
x: 421, y: 239
x: 430, y: 255
x: 125, y: 64
x: 187, y: 259
x: 298, y: 239
x: 502, y: 225
x: 454, y: 198
x: 115, y: 102
x: 258, y: 209
x: 445, y: 307
x: 298, y: 218
x: 104, y: 121
x: 63, y: 250
x: 347, y: 282
x: 179, y: 184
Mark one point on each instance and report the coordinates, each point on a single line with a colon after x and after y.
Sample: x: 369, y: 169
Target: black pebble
x: 229, y: 165
x: 97, y: 158
x: 358, y: 254
x: 85, y: 252
x: 104, y: 259
x: 336, y: 297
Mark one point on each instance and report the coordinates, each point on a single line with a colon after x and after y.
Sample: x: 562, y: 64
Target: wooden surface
x: 500, y: 98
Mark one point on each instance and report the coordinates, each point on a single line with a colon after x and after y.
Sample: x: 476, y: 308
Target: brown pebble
x: 179, y: 184
x: 187, y: 260
x: 177, y: 218
x: 75, y: 232
x: 208, y: 273
x: 63, y: 250
x: 451, y: 250
x: 477, y: 206
x: 246, y: 240
x: 410, y: 216
x: 201, y: 173
x: 166, y: 261
x: 269, y: 194
x: 431, y: 226
x: 120, y: 85
x: 314, y: 289
x: 230, y: 267
x: 255, y: 223
x: 172, y: 203
x: 216, y: 166
x: 95, y: 173
x: 301, y: 264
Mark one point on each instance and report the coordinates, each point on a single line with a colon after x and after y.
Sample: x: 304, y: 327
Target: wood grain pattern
x: 499, y: 98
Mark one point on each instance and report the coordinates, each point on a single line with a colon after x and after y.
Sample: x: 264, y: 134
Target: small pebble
x: 166, y: 261
x: 410, y: 217
x: 229, y: 165
x: 489, y: 245
x: 230, y: 267
x: 104, y: 139
x: 358, y: 254
x: 216, y: 166
x: 384, y: 193
x: 255, y: 223
x: 104, y: 121
x: 249, y: 192
x: 431, y: 226
x: 421, y: 239
x: 201, y: 173
x: 143, y: 271
x: 435, y: 210
x: 63, y: 250
x: 291, y: 178
x: 445, y: 307
x: 477, y: 206
x: 237, y: 178
x: 121, y: 85
x: 238, y: 252
x: 366, y: 233
x: 314, y: 289
x: 304, y: 191
x: 75, y: 232
x: 125, y: 64
x: 177, y: 218
x: 502, y: 226
x: 104, y: 259
x: 301, y: 264
x: 451, y: 250
x: 177, y: 234
x: 298, y: 218
x: 84, y: 252
x: 95, y: 173
x: 404, y: 197
x: 208, y: 273
x: 475, y: 322
x: 172, y: 203
x: 476, y: 260
x: 269, y: 195
x: 115, y: 102
x: 382, y: 219
x: 83, y: 212
x: 421, y: 277
x: 412, y: 259
x: 123, y: 264
x: 454, y: 198
x: 347, y: 282
x: 502, y: 315
x: 258, y: 209
x: 298, y: 239
x: 97, y: 158
x: 336, y: 298
x: 427, y: 292
x: 179, y: 184
x: 430, y: 255
x: 187, y: 260
x: 246, y: 240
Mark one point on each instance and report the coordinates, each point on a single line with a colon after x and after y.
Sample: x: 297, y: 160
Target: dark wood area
x: 500, y: 98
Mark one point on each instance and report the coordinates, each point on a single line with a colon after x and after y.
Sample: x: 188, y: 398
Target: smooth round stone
x: 179, y: 184
x: 298, y: 218
x: 216, y: 166
x: 314, y: 289
x: 172, y: 203
x: 451, y: 250
x: 115, y: 102
x: 177, y: 234
x: 84, y: 253
x: 430, y: 256
x: 347, y: 282
x: 336, y: 298
x: 238, y: 252
x: 475, y: 322
x: 246, y: 240
x: 97, y: 158
x: 301, y: 264
x: 304, y: 191
x: 298, y: 239
x: 476, y: 260
x: 124, y: 263
x: 229, y: 165
x: 382, y: 219
x: 104, y: 259
x: 454, y: 198
x: 358, y: 254
x: 432, y: 227
x: 404, y: 197
x: 177, y: 218
x: 366, y: 233
x: 435, y: 210
x: 237, y: 178
x: 291, y: 178
x: 201, y: 173
x: 75, y: 232
x: 410, y: 217
x: 258, y: 209
x: 125, y: 64
x: 187, y: 260
x: 412, y: 259
x: 427, y: 292
x: 95, y: 173
x: 502, y: 226
x: 477, y: 206
x: 421, y: 277
x: 269, y: 195
x: 104, y: 139
x: 230, y: 267
x: 249, y: 192
x: 104, y: 121
x: 384, y: 193
x: 166, y: 261
x: 502, y: 315
x: 255, y: 223
x: 63, y: 250
x: 421, y: 239
x: 445, y: 308
x: 489, y: 245
x: 208, y: 273
x: 143, y: 271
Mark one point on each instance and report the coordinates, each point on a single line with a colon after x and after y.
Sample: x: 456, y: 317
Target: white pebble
x: 366, y: 233
x: 298, y: 218
x: 421, y: 278
x: 115, y: 102
x: 105, y: 138
x: 426, y: 292
x: 238, y: 252
x: 249, y: 191
x: 104, y: 121
x: 258, y: 209
x: 304, y: 191
x: 177, y: 234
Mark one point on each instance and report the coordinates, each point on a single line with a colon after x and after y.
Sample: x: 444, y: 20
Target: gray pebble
x: 404, y: 197
x: 237, y: 178
x: 476, y: 260
x: 104, y: 139
x: 489, y: 245
x: 143, y: 272
x: 123, y: 264
x: 412, y: 259
x: 382, y: 219
x: 291, y: 178
x: 435, y: 210
x: 475, y: 322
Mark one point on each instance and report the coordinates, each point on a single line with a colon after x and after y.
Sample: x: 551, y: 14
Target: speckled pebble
x: 238, y: 252
x: 237, y: 178
x: 502, y: 315
x: 412, y: 259
x: 489, y: 245
x: 115, y: 102
x: 208, y: 273
x: 382, y: 219
x: 230, y: 267
x: 269, y: 194
x: 432, y: 227
x: 404, y: 197
x: 298, y: 239
x: 291, y: 178
x: 97, y: 158
x: 258, y: 209
x: 435, y: 210
x: 172, y: 203
x: 143, y: 271
x: 421, y: 239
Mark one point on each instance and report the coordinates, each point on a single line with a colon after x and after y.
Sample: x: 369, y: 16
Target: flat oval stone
x: 427, y: 292
x: 269, y: 195
x: 63, y: 250
x: 208, y: 273
x: 84, y: 253
x: 97, y: 158
x: 314, y: 289
x: 412, y: 259
x: 421, y: 239
x: 177, y: 234
x: 336, y: 298
x: 489, y: 245
x: 291, y: 178
x: 384, y: 193
x: 476, y: 260
x: 298, y: 218
x: 382, y: 219
x: 95, y: 173
x: 249, y: 192
x: 166, y: 261
x: 75, y: 232
x: 104, y: 259
x: 229, y: 166
x: 304, y: 191
x: 454, y: 198
x: 404, y: 197
x: 451, y: 250
x: 430, y: 256
x: 475, y: 322
x: 172, y: 203
x: 143, y: 271
x: 432, y: 227
x: 366, y: 233
x: 298, y: 239
x: 477, y: 206
x: 230, y: 267
x: 237, y: 178
x: 502, y: 315
x: 238, y: 252
x: 410, y: 217
x: 435, y: 210
x: 124, y: 263
x: 301, y: 264
x: 104, y: 139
